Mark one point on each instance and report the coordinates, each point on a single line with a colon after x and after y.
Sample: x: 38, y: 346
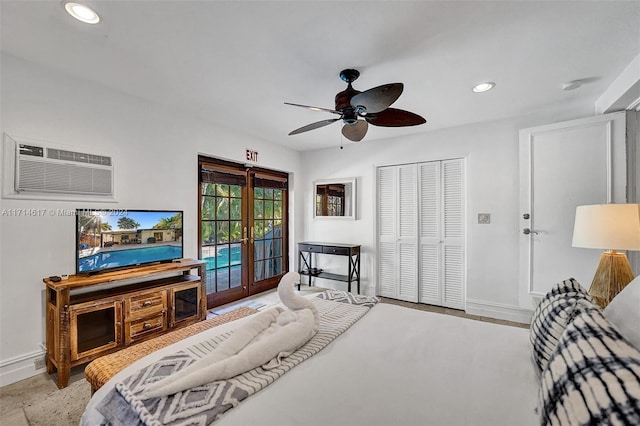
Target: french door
x: 242, y: 228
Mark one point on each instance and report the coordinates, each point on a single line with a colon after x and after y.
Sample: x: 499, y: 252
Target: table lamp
x: 612, y: 227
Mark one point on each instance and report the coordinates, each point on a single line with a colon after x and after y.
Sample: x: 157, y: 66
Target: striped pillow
x: 555, y: 312
x: 593, y: 376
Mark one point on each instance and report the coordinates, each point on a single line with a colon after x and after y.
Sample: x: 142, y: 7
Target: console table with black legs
x: 351, y: 252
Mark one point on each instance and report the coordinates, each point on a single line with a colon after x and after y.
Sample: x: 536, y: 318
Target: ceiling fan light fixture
x: 483, y: 87
x: 82, y: 13
x: 349, y: 117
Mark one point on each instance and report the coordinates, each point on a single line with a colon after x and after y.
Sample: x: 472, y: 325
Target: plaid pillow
x: 568, y: 288
x: 593, y: 376
x: 555, y: 312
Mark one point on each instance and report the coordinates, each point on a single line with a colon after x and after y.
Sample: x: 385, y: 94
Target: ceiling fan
x: 359, y: 109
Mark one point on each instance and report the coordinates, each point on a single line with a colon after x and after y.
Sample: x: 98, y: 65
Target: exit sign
x: 252, y: 155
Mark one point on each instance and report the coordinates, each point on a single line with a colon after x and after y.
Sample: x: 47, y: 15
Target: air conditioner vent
x: 62, y: 171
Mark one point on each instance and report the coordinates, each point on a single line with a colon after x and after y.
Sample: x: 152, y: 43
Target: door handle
x: 527, y: 231
x: 244, y: 236
x: 252, y: 234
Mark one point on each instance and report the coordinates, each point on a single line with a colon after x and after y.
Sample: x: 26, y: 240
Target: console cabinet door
x: 95, y: 328
x: 185, y: 304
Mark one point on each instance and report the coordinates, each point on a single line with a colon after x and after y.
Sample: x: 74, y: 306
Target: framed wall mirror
x: 334, y: 198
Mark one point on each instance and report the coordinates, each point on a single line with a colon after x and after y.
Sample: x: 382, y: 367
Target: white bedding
x: 394, y: 366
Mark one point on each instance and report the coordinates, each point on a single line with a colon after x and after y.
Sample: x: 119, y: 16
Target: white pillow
x: 624, y: 312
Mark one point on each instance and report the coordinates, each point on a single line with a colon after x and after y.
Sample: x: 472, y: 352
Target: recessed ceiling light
x: 82, y: 13
x: 483, y: 87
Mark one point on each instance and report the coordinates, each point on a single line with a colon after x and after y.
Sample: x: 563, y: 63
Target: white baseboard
x: 498, y: 311
x: 21, y: 367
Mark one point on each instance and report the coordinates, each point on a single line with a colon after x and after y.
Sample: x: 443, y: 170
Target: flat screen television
x: 108, y: 239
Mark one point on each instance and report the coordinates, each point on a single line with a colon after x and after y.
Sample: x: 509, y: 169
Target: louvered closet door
x: 430, y: 233
x: 397, y: 232
x: 421, y: 232
x: 453, y: 233
x: 408, y: 232
x: 387, y: 224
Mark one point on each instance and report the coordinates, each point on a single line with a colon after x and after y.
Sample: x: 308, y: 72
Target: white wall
x: 155, y: 153
x: 491, y: 150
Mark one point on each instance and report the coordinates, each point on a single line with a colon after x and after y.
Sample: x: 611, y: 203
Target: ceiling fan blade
x: 333, y: 111
x: 313, y: 126
x: 355, y: 132
x: 377, y: 99
x: 392, y: 117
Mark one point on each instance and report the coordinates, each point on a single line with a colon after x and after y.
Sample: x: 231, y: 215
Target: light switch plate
x: 484, y: 218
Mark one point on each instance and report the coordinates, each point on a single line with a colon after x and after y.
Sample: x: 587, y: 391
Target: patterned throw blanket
x: 201, y: 405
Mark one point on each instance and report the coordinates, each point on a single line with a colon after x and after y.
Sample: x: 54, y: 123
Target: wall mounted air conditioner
x: 43, y: 169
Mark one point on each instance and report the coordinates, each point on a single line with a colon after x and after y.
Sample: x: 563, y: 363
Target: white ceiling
x: 234, y: 63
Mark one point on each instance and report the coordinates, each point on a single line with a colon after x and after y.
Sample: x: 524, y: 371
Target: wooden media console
x: 89, y: 316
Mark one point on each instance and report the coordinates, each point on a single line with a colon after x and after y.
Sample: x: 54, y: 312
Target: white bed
x: 394, y: 366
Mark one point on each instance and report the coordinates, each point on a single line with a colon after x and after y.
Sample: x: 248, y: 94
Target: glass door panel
x: 221, y: 240
x: 268, y: 257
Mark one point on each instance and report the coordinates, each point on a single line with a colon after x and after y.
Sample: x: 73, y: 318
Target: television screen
x: 110, y: 238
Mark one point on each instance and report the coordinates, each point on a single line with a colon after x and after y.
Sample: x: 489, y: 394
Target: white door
x: 430, y: 233
x: 421, y: 232
x: 397, y: 232
x: 562, y: 166
x: 453, y: 234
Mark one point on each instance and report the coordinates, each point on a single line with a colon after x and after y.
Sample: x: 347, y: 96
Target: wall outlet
x: 39, y: 363
x: 484, y: 218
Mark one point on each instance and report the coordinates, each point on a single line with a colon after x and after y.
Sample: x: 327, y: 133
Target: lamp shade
x: 607, y: 226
